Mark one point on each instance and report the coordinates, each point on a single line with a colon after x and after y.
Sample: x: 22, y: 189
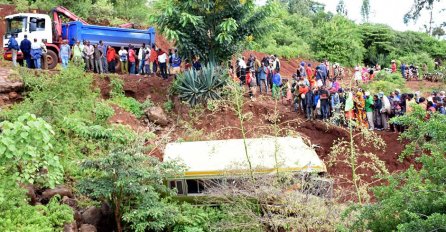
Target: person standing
x: 25, y: 47
x: 132, y: 59
x: 262, y: 78
x: 123, y: 59
x: 257, y: 69
x: 13, y: 46
x: 36, y: 53
x: 97, y: 54
x: 103, y: 49
x: 359, y: 109
x: 277, y: 83
x: 325, y: 101
x: 169, y: 63
x: 89, y: 59
x: 385, y: 110
x: 377, y: 105
x: 403, y: 70
x: 302, y: 71
x: 141, y: 58
x: 77, y: 53
x: 147, y: 63
x: 111, y: 59
x: 323, y: 72
x: 393, y: 66
x: 154, y: 59
x: 64, y: 53
x: 369, y: 110
x: 44, y: 61
x: 162, y: 59
x: 176, y: 63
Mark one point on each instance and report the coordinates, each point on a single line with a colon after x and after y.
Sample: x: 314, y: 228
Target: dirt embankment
x: 204, y: 124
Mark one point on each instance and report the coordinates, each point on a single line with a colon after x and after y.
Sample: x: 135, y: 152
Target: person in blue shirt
x: 65, y: 53
x: 323, y: 69
x: 277, y: 83
x: 403, y: 70
x: 13, y: 46
x: 25, y: 47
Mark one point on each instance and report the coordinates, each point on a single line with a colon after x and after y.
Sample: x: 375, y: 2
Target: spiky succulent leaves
x: 197, y: 87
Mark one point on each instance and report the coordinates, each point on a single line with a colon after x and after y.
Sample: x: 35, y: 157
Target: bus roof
x: 215, y: 158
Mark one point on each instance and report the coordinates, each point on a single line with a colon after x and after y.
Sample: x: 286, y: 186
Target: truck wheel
x: 51, y: 59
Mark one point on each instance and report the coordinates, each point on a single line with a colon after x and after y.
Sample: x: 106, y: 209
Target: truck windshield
x: 15, y: 25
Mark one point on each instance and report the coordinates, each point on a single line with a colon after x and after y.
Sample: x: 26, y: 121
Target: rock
x: 157, y: 115
x: 106, y: 209
x: 92, y: 216
x: 31, y: 193
x: 87, y: 228
x: 72, y: 227
x: 69, y: 201
x: 58, y: 190
x: 8, y: 86
x: 12, y: 95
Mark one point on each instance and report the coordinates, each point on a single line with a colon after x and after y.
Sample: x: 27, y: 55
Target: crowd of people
x: 316, y: 92
x: 99, y: 58
x: 33, y: 52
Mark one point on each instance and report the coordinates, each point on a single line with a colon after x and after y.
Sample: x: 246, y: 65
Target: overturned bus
x: 209, y: 162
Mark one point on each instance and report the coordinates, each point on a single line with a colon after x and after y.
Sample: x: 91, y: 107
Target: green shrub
x: 168, y: 106
x: 27, y: 149
x: 129, y: 104
x: 17, y: 215
x: 199, y: 87
x: 385, y: 82
x: 103, y: 112
x: 419, y: 59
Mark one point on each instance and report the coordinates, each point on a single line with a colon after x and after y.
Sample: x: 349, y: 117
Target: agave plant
x: 197, y: 87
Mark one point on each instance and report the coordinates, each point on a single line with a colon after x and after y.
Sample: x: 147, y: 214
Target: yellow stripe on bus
x: 217, y: 173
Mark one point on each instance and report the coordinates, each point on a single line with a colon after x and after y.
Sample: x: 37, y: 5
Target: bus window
x: 178, y: 185
x: 195, y: 186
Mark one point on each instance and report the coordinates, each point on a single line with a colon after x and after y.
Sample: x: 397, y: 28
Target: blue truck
x: 54, y: 32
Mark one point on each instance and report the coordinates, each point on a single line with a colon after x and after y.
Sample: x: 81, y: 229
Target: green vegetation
x: 413, y: 200
x: 27, y: 150
x: 212, y: 30
x: 17, y: 215
x: 198, y: 87
x: 386, y: 83
x: 132, y: 183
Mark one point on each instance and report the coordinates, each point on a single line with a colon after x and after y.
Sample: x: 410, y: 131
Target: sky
x: 390, y: 12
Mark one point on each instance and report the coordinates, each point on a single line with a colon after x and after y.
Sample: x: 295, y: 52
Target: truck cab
x: 36, y: 26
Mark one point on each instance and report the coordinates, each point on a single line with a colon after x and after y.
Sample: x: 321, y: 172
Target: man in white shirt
x: 162, y: 58
x: 141, y: 58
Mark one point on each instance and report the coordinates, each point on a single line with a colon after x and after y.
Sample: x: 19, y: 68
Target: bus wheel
x: 51, y: 59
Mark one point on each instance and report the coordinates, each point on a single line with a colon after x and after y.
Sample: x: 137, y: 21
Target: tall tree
x: 211, y: 29
x: 365, y: 10
x: 418, y: 7
x: 340, y: 8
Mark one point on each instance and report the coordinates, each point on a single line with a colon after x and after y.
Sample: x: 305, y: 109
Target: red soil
x: 220, y: 124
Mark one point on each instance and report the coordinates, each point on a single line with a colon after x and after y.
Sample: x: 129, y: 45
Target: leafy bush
x: 386, y: 83
x: 129, y: 104
x: 103, y: 112
x: 17, y: 215
x: 419, y: 59
x: 196, y: 218
x: 199, y: 87
x: 338, y: 40
x: 132, y: 183
x: 26, y: 148
x: 413, y: 200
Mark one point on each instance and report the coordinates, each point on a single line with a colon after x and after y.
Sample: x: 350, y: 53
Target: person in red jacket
x: 154, y: 60
x: 132, y: 59
x: 111, y: 59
